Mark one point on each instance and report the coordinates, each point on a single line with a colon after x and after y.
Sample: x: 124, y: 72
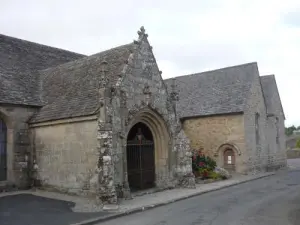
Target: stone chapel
x: 107, y: 125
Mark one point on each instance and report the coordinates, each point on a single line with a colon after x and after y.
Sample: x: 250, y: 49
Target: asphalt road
x: 273, y: 200
x: 27, y: 209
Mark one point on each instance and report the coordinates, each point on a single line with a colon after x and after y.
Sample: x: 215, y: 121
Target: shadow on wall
x: 293, y: 153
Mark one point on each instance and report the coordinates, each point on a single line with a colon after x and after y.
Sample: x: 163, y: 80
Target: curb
x: 147, y: 207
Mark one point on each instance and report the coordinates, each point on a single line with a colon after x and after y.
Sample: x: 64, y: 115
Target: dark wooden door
x: 3, y: 151
x: 140, y: 164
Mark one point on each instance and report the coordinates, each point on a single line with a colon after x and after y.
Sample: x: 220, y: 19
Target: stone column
x: 184, y: 170
x: 106, y: 191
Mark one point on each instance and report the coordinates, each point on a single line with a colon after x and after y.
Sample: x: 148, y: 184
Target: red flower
x: 194, y: 157
x: 201, y: 164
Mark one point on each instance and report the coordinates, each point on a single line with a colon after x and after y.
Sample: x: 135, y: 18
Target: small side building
x: 226, y: 113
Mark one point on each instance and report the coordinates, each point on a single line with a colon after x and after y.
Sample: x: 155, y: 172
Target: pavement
x: 35, y: 207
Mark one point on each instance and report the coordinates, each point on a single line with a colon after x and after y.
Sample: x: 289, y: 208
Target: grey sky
x: 187, y: 36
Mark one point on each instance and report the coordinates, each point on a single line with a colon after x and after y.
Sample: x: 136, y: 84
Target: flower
x: 201, y: 164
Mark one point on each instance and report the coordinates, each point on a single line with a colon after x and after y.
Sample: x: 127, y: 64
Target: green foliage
x: 214, y: 175
x: 203, y: 165
x: 289, y: 130
x: 298, y: 143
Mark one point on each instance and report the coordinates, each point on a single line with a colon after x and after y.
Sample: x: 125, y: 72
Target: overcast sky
x: 187, y: 36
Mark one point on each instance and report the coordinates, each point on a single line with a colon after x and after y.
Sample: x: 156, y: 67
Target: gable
x: 19, y: 62
x: 222, y: 91
x: 271, y: 95
x: 143, y: 82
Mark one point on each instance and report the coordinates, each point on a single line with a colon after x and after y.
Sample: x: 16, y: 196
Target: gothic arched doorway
x: 3, y: 152
x: 140, y: 157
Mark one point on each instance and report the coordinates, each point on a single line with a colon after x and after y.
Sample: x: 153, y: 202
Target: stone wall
x: 276, y: 142
x: 138, y: 95
x: 18, y: 142
x: 67, y: 155
x: 256, y: 146
x: 211, y: 132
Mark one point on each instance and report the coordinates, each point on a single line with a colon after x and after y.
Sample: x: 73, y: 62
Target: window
x: 277, y: 130
x: 229, y: 160
x: 257, y: 137
x: 229, y: 157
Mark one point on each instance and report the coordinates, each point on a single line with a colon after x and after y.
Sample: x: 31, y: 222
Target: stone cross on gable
x: 142, y: 33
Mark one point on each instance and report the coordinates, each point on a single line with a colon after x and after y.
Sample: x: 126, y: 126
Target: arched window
x: 277, y: 130
x: 3, y: 155
x: 229, y: 158
x: 257, y: 137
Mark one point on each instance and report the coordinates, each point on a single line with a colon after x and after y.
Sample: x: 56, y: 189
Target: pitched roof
x: 271, y: 93
x: 71, y: 89
x: 19, y: 61
x: 214, y: 92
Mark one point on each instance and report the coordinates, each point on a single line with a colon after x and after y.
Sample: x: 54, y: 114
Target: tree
x: 289, y: 130
x: 298, y: 143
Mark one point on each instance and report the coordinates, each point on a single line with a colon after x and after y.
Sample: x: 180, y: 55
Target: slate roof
x: 214, y: 92
x: 271, y: 93
x: 71, y: 89
x: 19, y: 61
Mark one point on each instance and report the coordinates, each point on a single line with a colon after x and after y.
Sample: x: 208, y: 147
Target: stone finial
x: 103, y: 79
x: 104, y: 65
x: 174, y: 94
x: 142, y: 33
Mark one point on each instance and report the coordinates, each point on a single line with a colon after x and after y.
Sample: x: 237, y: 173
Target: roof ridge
x: 86, y: 57
x: 213, y: 70
x: 39, y: 44
x: 113, y: 48
x: 269, y: 75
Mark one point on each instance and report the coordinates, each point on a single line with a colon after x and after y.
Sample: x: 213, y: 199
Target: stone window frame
x: 232, y: 156
x: 257, y: 131
x: 277, y: 130
x: 9, y: 148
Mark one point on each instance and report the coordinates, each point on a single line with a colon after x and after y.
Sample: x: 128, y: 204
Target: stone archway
x: 3, y: 150
x: 227, y: 156
x: 160, y: 136
x: 7, y: 139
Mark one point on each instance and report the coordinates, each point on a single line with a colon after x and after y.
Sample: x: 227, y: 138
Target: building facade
x: 108, y: 124
x: 235, y: 116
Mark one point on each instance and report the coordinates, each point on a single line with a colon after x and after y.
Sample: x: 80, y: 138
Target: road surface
x: 273, y: 200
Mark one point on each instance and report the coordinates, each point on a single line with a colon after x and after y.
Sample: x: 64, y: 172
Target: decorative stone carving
x: 113, y: 91
x: 146, y: 89
x: 174, y: 94
x: 123, y: 99
x: 103, y: 79
x: 142, y: 33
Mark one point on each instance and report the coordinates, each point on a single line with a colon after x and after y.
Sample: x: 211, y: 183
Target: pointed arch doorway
x: 140, y: 157
x: 3, y: 151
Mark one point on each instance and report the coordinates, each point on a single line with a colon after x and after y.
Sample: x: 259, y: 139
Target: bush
x: 224, y: 174
x: 202, y: 165
x: 298, y: 143
x: 214, y: 175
